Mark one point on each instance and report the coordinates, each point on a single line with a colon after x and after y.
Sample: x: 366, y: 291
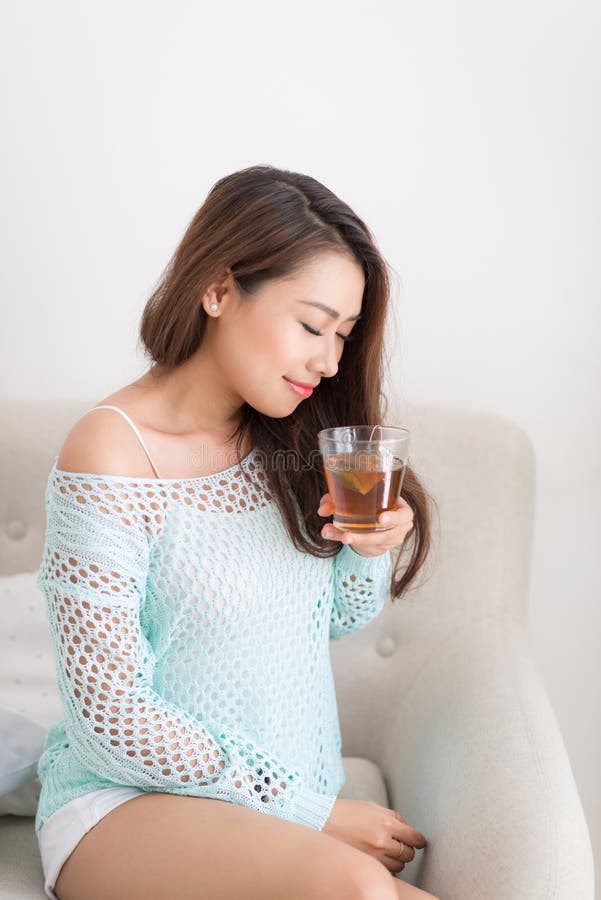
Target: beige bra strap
x: 135, y: 428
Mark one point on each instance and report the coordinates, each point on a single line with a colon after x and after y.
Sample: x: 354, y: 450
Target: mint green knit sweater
x: 191, y: 642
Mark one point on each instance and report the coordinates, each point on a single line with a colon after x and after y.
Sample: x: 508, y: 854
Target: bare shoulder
x: 102, y: 442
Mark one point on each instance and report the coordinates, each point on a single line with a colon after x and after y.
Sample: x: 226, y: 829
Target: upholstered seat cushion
x: 21, y: 875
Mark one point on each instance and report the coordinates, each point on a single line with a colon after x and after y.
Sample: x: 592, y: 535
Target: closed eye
x: 344, y: 337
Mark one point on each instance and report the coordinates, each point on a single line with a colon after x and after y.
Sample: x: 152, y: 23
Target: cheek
x: 275, y: 345
x: 256, y: 349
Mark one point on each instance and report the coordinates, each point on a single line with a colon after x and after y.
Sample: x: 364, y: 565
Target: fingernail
x: 384, y: 518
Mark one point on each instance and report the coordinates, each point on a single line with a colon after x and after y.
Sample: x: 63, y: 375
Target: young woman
x: 192, y: 585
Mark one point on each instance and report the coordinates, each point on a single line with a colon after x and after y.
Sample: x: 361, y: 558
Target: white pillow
x: 27, y: 672
x: 21, y: 745
x: 29, y: 698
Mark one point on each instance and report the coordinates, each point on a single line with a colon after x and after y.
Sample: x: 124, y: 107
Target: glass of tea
x: 364, y: 467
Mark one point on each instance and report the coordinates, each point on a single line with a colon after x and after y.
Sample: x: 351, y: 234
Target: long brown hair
x: 263, y: 223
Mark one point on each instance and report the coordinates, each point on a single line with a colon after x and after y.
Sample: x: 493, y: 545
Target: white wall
x: 468, y: 136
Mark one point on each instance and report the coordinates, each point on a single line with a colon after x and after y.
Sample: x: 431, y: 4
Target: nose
x: 326, y: 362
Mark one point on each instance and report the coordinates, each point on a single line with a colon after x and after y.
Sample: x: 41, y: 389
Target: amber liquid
x: 361, y: 488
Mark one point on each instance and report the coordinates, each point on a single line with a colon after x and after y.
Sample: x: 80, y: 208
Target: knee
x: 350, y: 874
x: 370, y: 880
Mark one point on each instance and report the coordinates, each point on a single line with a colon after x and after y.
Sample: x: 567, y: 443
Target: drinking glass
x: 364, y: 466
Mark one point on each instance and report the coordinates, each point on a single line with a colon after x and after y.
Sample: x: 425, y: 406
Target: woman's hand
x: 372, y: 543
x: 375, y: 830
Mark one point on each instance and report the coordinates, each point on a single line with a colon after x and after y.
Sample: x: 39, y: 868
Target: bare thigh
x: 165, y: 846
x: 408, y: 892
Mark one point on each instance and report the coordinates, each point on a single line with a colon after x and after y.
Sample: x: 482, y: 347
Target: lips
x: 298, y: 388
x: 302, y: 384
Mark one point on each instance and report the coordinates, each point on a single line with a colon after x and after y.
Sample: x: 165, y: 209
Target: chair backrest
x: 31, y: 436
x: 480, y: 470
x: 478, y: 467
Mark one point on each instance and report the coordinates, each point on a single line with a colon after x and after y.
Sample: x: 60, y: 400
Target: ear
x: 217, y: 292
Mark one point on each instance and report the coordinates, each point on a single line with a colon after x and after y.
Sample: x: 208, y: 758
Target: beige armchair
x: 443, y: 714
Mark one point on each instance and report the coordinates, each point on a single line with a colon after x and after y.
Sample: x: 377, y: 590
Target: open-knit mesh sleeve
x: 361, y: 587
x: 93, y: 575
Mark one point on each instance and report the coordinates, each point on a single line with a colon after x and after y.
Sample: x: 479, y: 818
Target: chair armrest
x: 474, y: 758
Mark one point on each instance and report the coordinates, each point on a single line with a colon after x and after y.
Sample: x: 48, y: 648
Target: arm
x: 361, y: 587
x: 93, y: 575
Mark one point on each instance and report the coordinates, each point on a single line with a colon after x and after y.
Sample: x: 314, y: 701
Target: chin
x: 276, y: 410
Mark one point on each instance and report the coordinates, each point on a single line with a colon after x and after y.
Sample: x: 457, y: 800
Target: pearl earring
x: 213, y: 307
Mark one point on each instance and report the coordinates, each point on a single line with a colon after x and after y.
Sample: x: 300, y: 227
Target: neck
x: 194, y: 398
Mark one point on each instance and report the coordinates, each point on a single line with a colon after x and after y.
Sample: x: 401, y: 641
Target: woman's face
x: 279, y: 336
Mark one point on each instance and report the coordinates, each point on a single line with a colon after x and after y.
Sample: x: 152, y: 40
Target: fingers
x: 398, y: 517
x: 405, y: 855
x: 397, y: 855
x: 393, y: 864
x: 411, y: 837
x: 363, y: 539
x: 415, y: 839
x: 399, y: 841
x: 326, y: 507
x: 397, y: 522
x: 378, y: 541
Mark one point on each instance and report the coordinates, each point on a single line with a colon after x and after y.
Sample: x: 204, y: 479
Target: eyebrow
x: 328, y: 309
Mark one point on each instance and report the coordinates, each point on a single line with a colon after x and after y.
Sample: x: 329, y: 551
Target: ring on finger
x: 402, y: 848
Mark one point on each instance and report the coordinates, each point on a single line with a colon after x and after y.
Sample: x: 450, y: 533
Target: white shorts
x: 62, y: 832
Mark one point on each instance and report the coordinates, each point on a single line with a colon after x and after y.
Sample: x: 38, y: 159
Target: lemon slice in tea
x: 359, y: 481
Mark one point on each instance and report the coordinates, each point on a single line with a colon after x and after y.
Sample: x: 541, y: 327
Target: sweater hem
x: 314, y: 809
